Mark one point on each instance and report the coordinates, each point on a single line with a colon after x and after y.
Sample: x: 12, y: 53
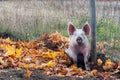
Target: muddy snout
x: 79, y: 40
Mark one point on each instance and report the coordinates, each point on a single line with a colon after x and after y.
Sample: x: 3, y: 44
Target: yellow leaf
x: 18, y: 52
x: 99, y: 62
x: 50, y: 64
x: 49, y: 55
x: 28, y: 73
x: 73, y: 67
x: 26, y: 66
x: 61, y: 53
x: 10, y: 52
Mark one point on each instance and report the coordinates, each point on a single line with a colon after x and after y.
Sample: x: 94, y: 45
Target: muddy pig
x: 79, y: 47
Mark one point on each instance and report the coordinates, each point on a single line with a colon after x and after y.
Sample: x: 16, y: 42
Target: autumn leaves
x: 47, y: 53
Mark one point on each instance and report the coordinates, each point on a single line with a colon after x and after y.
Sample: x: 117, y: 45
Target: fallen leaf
x: 18, y: 52
x: 49, y: 55
x: 93, y: 72
x: 108, y: 65
x: 10, y: 50
x: 26, y: 66
x: 48, y: 72
x: 116, y: 71
x: 50, y: 64
x: 74, y: 67
x: 99, y: 62
x: 37, y: 67
x: 28, y: 73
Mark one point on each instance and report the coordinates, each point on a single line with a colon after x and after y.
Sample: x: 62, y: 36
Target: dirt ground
x: 13, y: 74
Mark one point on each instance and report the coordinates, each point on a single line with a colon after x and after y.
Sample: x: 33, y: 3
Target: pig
x: 79, y: 47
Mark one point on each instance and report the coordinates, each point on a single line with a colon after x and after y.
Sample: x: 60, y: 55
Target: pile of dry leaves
x: 47, y: 53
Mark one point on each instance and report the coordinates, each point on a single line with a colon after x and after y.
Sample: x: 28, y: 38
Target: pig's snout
x: 79, y: 40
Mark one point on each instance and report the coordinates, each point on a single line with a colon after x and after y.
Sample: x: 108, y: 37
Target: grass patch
x: 106, y: 30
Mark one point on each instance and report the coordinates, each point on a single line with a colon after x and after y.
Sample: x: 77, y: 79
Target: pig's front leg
x: 72, y: 55
x: 87, y: 67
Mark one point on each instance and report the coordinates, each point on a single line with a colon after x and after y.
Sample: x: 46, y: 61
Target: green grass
x: 106, y: 30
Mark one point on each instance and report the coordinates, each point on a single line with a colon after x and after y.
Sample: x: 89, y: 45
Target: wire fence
x: 108, y: 29
x: 32, y: 18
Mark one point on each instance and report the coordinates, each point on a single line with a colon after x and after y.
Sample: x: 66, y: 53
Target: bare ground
x: 13, y: 74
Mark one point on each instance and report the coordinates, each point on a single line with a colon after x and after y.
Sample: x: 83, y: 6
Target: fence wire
x: 108, y: 29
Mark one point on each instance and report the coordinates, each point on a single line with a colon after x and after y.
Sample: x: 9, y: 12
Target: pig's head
x: 79, y: 36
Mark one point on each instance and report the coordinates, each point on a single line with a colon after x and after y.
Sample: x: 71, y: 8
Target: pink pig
x: 79, y: 44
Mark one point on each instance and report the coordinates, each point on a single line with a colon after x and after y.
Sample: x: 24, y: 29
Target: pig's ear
x: 71, y: 28
x: 86, y: 28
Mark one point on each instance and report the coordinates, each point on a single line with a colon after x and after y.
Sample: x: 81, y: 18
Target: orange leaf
x: 33, y: 51
x: 62, y: 71
x: 93, y: 72
x: 105, y: 67
x: 48, y: 72
x: 28, y: 73
x: 37, y: 67
x: 108, y: 64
